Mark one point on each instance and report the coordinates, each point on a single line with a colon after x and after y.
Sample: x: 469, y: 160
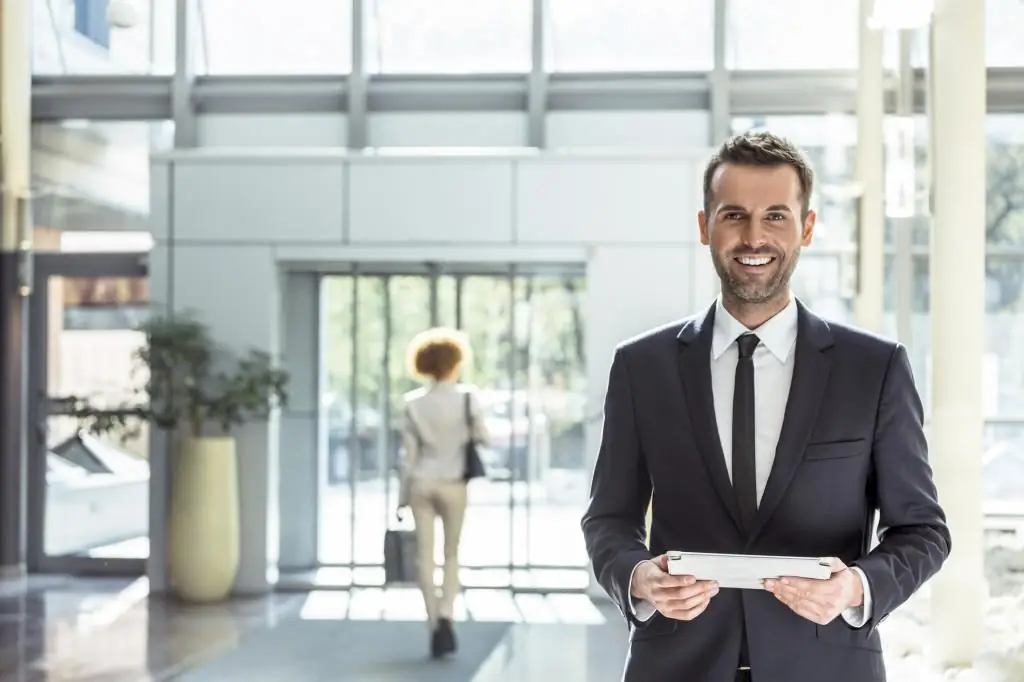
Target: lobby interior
x: 322, y: 183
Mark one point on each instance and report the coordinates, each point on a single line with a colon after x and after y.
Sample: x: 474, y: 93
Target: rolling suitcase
x: 399, y: 547
x: 399, y: 556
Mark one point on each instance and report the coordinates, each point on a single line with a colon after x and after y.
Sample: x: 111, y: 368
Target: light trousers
x: 428, y: 501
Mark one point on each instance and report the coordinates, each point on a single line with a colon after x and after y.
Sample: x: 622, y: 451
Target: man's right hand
x: 681, y: 597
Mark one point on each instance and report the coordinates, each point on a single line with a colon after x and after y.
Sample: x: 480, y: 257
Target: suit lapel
x: 810, y: 377
x: 695, y: 376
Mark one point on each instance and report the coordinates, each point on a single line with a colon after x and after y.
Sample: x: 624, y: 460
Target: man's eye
x: 733, y: 216
x: 776, y: 216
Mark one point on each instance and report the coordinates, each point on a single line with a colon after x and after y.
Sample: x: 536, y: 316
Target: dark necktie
x: 744, y: 480
x: 744, y: 476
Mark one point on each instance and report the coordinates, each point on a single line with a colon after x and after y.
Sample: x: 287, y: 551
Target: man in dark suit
x: 760, y: 428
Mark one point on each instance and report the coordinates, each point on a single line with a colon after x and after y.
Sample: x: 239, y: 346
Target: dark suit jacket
x: 851, y: 445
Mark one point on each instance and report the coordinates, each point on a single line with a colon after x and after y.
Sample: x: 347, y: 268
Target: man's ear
x: 702, y: 224
x: 808, y: 232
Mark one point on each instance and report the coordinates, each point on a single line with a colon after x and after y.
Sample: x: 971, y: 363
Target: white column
x: 958, y: 88
x: 868, y: 307
x: 15, y: 112
x: 15, y: 234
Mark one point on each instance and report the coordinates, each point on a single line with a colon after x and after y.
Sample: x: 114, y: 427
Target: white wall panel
x: 321, y: 257
x: 448, y: 129
x: 159, y: 221
x: 233, y: 286
x: 605, y: 200
x: 659, y: 130
x: 260, y: 201
x: 272, y: 130
x: 630, y: 289
x: 454, y: 200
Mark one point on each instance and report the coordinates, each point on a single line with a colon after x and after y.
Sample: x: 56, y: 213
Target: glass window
x: 792, y: 34
x: 1004, y: 21
x: 630, y: 35
x: 84, y: 38
x: 268, y: 37
x: 1003, y: 476
x: 103, y: 205
x: 830, y: 143
x: 1004, y: 224
x: 825, y: 283
x: 1004, y: 269
x: 448, y: 36
x: 92, y: 338
x: 891, y: 49
x: 921, y: 222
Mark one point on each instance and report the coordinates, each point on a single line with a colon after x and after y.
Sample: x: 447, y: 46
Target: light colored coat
x: 435, y: 432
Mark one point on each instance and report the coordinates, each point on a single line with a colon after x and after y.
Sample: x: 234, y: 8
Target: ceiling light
x: 122, y: 14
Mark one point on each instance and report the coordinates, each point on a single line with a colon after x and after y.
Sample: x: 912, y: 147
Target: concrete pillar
x: 15, y: 233
x: 869, y: 304
x: 958, y: 138
x: 299, y: 526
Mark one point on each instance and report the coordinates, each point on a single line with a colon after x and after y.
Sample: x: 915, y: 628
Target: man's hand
x: 681, y: 597
x: 820, y: 601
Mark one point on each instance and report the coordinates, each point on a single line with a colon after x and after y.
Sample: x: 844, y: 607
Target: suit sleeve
x: 914, y: 540
x: 614, y: 524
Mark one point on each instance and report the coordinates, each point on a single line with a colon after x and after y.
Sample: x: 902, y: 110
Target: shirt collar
x: 778, y: 334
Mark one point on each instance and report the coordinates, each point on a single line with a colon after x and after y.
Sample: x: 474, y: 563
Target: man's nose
x: 754, y: 234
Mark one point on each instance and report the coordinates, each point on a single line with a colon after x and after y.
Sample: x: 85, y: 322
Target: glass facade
x: 462, y: 36
x: 623, y: 36
x: 528, y: 341
x: 78, y: 38
x: 266, y: 37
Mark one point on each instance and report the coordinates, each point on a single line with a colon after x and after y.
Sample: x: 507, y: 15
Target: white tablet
x: 746, y: 571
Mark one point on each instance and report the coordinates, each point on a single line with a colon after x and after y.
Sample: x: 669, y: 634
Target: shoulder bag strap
x: 469, y: 415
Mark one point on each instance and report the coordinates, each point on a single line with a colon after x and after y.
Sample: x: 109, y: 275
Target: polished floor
x: 89, y: 630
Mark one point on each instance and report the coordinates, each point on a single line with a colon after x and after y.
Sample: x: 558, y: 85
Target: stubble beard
x: 755, y: 293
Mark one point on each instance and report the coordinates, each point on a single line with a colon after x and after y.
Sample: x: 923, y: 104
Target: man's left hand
x: 820, y: 601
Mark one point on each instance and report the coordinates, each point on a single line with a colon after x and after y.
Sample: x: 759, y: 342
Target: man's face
x: 755, y: 229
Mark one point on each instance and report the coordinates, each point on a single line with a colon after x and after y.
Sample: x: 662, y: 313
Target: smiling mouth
x: 754, y: 261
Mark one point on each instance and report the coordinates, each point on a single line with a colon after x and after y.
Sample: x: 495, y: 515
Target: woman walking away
x: 440, y: 420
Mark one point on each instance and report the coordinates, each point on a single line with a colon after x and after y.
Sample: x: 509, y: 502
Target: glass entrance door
x: 89, y: 489
x: 527, y: 337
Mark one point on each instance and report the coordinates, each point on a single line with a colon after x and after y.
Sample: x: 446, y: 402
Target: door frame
x: 432, y: 272
x: 45, y: 266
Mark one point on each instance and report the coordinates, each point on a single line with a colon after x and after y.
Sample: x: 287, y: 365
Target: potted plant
x: 198, y: 393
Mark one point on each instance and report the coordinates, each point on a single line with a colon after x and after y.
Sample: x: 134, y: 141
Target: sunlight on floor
x: 111, y: 607
x: 406, y: 604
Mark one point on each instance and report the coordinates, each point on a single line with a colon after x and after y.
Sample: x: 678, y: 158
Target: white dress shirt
x: 773, y: 374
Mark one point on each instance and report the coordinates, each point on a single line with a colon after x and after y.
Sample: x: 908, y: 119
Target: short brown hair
x: 761, y: 149
x: 436, y: 353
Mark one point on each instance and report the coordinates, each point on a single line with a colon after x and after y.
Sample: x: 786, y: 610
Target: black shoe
x: 443, y: 640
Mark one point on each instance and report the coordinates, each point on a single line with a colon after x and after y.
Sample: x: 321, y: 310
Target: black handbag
x: 474, y: 464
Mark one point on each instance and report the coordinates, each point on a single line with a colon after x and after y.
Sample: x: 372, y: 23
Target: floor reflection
x: 106, y: 629
x: 85, y: 630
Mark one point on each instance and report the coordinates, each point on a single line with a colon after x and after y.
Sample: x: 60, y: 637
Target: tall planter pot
x: 204, y: 519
